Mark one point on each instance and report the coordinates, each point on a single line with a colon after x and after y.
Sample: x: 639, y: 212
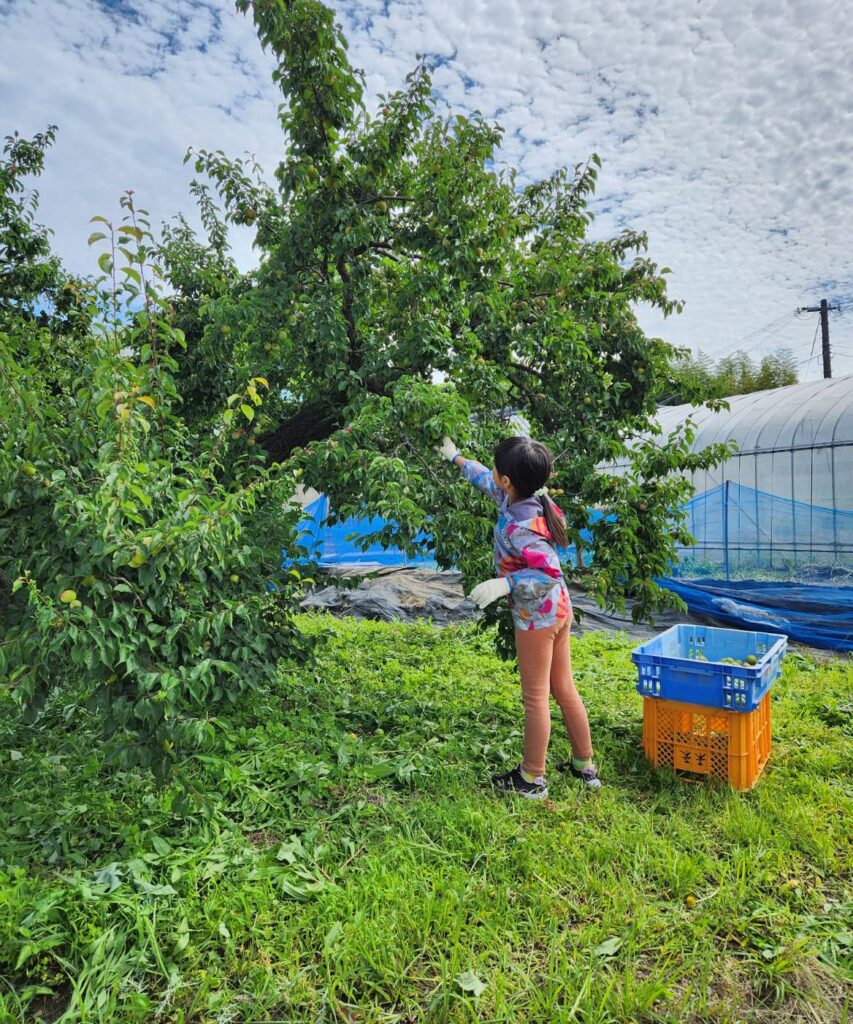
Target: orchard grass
x: 341, y: 858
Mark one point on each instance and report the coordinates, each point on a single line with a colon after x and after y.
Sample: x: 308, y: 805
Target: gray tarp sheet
x: 410, y: 594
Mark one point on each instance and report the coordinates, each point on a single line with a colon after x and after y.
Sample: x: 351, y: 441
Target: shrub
x: 133, y: 551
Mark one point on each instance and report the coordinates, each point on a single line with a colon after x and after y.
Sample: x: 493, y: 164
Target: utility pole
x: 823, y: 309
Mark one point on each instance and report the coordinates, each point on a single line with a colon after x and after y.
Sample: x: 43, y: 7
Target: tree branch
x: 349, y: 318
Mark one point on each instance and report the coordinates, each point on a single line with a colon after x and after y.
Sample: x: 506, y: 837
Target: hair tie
x: 542, y: 492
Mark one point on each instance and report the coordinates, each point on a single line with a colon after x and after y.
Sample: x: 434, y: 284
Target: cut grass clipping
x: 341, y: 858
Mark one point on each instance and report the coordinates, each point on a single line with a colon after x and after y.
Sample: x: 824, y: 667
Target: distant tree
x: 697, y: 378
x: 777, y: 370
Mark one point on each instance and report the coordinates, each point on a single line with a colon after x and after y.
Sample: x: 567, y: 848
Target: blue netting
x: 740, y: 530
x: 764, y: 561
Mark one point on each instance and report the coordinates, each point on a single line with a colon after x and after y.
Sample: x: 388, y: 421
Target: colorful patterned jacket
x: 525, y: 555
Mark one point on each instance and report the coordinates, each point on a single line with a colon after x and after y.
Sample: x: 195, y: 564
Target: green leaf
x: 608, y: 947
x: 183, y: 938
x: 469, y: 982
x: 155, y: 890
x: 96, y: 236
x: 379, y: 771
x: 109, y: 876
x: 162, y: 846
x: 333, y: 936
x: 248, y: 412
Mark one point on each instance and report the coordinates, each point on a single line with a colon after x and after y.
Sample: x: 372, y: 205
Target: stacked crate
x: 706, y: 700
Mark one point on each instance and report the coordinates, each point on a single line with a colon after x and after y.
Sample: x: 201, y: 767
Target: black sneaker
x: 587, y: 775
x: 515, y: 782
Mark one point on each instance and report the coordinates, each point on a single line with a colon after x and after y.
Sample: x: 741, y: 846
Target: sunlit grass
x: 344, y: 860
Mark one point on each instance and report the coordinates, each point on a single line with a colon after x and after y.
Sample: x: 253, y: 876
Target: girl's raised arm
x: 474, y: 472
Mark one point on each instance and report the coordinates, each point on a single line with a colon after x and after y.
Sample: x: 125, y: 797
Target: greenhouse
x: 783, y: 503
x: 774, y: 523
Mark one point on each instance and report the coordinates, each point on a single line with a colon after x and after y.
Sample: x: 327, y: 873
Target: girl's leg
x: 567, y: 697
x: 535, y: 648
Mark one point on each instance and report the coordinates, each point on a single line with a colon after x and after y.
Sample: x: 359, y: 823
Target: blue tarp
x: 813, y: 614
x: 329, y: 545
x: 336, y: 544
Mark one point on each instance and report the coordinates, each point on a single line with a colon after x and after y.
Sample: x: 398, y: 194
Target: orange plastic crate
x: 732, y: 746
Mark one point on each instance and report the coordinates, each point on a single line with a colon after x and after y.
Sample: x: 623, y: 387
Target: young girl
x: 529, y: 529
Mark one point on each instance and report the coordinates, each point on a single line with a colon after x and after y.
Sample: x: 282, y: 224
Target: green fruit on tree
x: 67, y: 596
x: 75, y: 604
x: 234, y: 577
x: 29, y: 469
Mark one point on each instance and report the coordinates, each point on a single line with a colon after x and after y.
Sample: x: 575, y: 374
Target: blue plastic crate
x: 685, y: 664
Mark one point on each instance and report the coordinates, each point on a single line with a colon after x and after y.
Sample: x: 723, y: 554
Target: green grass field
x: 342, y: 860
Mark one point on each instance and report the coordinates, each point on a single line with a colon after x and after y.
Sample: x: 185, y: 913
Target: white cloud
x: 725, y: 128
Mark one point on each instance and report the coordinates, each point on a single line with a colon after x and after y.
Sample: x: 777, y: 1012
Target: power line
x: 774, y: 326
x: 811, y: 354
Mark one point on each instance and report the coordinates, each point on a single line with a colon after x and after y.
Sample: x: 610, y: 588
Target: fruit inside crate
x: 725, y: 668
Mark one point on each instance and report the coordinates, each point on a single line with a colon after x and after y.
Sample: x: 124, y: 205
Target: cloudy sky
x: 726, y: 128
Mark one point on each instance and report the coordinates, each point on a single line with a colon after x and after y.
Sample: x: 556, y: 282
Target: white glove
x: 484, y: 593
x: 448, y: 449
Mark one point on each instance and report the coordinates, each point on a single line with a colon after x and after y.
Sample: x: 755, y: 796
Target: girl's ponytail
x: 528, y: 465
x: 556, y: 522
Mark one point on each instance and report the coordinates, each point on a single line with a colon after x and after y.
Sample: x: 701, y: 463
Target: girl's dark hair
x: 528, y: 465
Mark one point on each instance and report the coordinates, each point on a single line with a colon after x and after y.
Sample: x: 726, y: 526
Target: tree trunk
x: 315, y: 421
